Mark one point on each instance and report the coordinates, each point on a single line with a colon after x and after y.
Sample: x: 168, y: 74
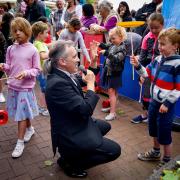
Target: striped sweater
x: 164, y: 74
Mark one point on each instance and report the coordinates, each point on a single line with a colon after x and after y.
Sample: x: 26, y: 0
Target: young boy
x: 164, y: 73
x: 40, y: 33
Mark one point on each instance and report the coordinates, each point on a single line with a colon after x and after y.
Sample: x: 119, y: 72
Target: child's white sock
x: 20, y: 141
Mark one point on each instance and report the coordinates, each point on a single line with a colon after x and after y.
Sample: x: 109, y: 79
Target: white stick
x: 6, y: 78
x: 140, y: 93
x: 132, y: 53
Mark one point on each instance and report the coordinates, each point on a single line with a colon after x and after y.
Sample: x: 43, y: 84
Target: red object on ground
x: 3, y: 117
x: 106, y: 104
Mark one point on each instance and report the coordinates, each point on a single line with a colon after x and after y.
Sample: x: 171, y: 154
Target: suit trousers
x: 106, y: 152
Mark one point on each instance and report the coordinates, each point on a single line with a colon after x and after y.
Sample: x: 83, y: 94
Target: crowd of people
x: 36, y: 46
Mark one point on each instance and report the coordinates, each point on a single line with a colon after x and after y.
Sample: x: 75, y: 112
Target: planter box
x: 170, y: 165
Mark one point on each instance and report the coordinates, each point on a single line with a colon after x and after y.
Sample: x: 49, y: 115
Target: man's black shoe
x: 76, y: 173
x: 71, y: 171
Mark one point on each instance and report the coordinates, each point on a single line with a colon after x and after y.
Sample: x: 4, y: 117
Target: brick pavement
x: 132, y: 138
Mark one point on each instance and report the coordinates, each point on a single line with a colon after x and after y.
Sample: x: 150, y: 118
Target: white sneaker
x: 18, y: 150
x: 110, y: 117
x: 106, y: 110
x: 2, y: 98
x: 45, y: 113
x: 28, y: 134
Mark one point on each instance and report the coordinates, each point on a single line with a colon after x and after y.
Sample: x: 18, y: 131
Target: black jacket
x: 114, y: 58
x: 3, y: 48
x: 35, y: 11
x: 71, y: 123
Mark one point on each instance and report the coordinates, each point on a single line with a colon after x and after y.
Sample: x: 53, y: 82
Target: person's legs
x: 108, y: 151
x: 41, y: 94
x: 18, y: 150
x: 164, y: 132
x: 78, y: 159
x: 154, y: 153
x: 29, y: 131
x: 103, y: 126
x: 21, y: 129
x: 113, y: 99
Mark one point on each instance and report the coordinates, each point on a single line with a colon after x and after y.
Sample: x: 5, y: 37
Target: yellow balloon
x: 129, y: 24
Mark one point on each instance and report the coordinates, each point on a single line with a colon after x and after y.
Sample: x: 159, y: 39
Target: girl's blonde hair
x: 21, y: 24
x: 120, y: 31
x: 172, y: 34
x: 39, y: 27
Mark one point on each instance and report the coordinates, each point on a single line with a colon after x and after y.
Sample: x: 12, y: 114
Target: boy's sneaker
x: 106, y: 110
x: 29, y: 134
x: 2, y: 98
x: 18, y: 150
x: 110, y: 117
x: 43, y: 111
x: 162, y: 163
x: 149, y: 156
x: 139, y: 119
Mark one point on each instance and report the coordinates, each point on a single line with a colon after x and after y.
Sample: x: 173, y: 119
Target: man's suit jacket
x: 70, y: 112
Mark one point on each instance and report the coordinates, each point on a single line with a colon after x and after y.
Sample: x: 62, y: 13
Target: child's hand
x: 134, y: 61
x: 141, y: 80
x: 21, y: 75
x: 1, y: 66
x: 94, y: 50
x: 102, y: 51
x: 163, y: 109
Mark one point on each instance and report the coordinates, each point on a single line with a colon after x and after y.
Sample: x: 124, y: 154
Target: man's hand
x: 163, y: 109
x: 89, y: 78
x: 21, y: 75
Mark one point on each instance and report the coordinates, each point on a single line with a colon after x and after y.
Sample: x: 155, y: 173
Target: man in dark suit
x: 78, y: 137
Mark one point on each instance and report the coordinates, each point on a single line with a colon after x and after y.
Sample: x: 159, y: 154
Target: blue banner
x: 171, y: 13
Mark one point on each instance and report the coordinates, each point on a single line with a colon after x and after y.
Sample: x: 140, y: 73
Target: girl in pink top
x: 22, y: 66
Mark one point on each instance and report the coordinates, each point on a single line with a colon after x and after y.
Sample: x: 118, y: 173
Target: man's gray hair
x: 58, y: 51
x: 105, y: 4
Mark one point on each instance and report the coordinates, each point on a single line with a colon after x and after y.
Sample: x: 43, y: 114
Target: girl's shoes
x: 28, y: 134
x: 18, y: 150
x: 110, y: 117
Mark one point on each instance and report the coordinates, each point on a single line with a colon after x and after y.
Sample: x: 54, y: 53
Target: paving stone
x: 133, y: 138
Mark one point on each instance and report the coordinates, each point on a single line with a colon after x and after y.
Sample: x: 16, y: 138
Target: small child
x: 48, y: 39
x: 165, y: 90
x: 22, y: 66
x: 115, y: 53
x: 40, y: 33
x: 72, y: 33
x: 149, y: 51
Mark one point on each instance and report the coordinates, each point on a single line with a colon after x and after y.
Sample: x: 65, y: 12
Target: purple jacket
x: 87, y: 21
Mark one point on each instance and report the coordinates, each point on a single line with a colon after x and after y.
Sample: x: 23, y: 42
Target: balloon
x: 3, y: 117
